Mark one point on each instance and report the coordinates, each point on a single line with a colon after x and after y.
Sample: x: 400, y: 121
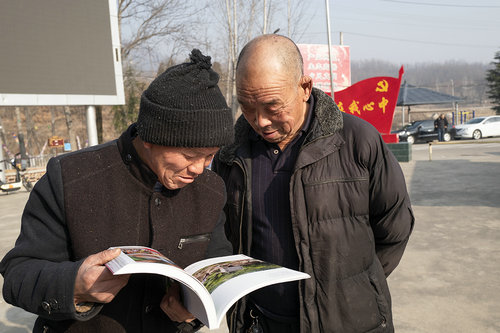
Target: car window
x: 475, y: 120
x: 492, y: 120
x: 415, y: 124
x: 428, y: 124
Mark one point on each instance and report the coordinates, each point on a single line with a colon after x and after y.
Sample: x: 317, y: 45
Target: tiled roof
x: 411, y: 95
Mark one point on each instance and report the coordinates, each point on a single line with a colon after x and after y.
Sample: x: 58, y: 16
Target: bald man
x: 313, y: 189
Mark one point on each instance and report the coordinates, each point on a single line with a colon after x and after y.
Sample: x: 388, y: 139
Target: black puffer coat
x: 351, y: 219
x: 96, y: 198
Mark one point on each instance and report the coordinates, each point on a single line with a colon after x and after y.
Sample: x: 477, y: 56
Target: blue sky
x: 406, y: 32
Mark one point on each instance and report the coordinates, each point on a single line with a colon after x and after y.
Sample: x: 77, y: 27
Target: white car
x: 478, y: 128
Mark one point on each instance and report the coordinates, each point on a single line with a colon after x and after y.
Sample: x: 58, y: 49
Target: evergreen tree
x: 493, y: 78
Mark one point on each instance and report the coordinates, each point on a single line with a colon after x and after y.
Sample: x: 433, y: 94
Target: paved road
x: 449, y: 277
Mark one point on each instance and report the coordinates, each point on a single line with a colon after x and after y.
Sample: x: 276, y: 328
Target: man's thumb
x: 104, y: 256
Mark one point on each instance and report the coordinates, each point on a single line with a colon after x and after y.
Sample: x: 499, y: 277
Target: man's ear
x: 142, y: 147
x: 306, y: 85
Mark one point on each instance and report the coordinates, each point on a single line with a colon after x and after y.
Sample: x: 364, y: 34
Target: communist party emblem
x: 373, y: 100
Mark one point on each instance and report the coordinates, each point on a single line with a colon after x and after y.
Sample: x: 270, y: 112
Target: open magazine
x: 211, y: 286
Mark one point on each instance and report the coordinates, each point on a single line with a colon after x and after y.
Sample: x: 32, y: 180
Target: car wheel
x: 476, y: 135
x: 410, y: 139
x: 446, y: 137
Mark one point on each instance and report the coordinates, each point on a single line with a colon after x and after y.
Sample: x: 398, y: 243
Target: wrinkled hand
x: 172, y: 306
x: 94, y: 282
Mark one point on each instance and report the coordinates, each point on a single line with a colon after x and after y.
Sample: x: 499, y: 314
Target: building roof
x: 411, y: 95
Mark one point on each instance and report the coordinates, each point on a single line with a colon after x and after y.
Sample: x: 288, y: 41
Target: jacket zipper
x: 193, y: 239
x: 240, y: 246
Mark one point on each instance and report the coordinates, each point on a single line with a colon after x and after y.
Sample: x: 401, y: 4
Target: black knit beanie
x: 184, y: 107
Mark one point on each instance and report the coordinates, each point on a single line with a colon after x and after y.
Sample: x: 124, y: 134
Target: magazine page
x: 136, y: 254
x: 191, y: 300
x: 138, y: 259
x: 229, y: 278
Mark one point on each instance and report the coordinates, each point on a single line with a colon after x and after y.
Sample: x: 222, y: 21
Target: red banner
x: 373, y: 100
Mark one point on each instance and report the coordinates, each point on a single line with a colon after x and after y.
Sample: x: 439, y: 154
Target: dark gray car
x: 423, y: 131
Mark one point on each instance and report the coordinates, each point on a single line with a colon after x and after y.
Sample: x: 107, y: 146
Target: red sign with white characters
x: 316, y: 65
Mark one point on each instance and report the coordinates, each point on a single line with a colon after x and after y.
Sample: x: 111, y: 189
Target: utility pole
x: 264, y: 29
x: 289, y: 18
x: 234, y: 104
x: 329, y: 45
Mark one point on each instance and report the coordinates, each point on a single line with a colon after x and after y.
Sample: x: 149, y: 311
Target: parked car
x: 479, y: 127
x: 423, y: 131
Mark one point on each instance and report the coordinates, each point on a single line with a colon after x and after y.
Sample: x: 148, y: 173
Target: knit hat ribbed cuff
x: 184, y: 128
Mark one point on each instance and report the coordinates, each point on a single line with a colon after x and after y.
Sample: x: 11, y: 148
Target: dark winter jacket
x: 351, y: 219
x: 441, y: 123
x: 91, y: 200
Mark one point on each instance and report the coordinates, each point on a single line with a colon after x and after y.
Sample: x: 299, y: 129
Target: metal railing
x: 38, y: 162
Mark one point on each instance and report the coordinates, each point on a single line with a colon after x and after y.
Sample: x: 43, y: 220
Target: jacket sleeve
x: 38, y: 273
x: 227, y: 227
x: 391, y: 215
x: 219, y: 245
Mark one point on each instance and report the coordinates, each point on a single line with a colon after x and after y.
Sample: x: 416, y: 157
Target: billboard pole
x: 91, y: 126
x: 2, y: 163
x: 329, y: 46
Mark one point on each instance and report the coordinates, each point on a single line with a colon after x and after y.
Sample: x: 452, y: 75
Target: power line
x: 486, y: 26
x: 402, y: 39
x: 418, y: 41
x: 442, y: 4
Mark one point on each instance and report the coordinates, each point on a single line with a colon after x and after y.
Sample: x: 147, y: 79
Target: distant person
x: 310, y: 188
x: 150, y: 187
x: 441, y: 125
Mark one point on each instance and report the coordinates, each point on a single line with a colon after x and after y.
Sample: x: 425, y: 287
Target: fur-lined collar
x: 327, y: 119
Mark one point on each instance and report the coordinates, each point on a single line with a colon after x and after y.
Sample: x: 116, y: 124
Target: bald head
x: 272, y: 91
x: 272, y: 48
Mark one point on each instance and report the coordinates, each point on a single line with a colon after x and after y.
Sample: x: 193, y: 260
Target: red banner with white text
x: 317, y: 65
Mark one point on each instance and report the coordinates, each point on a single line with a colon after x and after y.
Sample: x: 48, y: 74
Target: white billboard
x: 316, y: 65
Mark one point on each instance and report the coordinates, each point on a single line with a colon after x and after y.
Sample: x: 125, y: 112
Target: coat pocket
x: 331, y: 199
x: 359, y: 305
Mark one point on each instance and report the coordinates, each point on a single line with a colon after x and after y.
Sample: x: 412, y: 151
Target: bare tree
x: 148, y: 22
x: 32, y: 140
x: 53, y: 120
x: 19, y: 123
x: 240, y: 20
x: 69, y: 125
x: 2, y: 131
x: 146, y: 27
x: 124, y: 115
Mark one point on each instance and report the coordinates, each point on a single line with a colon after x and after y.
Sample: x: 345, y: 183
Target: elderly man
x: 150, y: 187
x: 314, y: 189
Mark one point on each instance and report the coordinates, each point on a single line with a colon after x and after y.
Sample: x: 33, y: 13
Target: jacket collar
x: 327, y: 120
x: 132, y: 160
